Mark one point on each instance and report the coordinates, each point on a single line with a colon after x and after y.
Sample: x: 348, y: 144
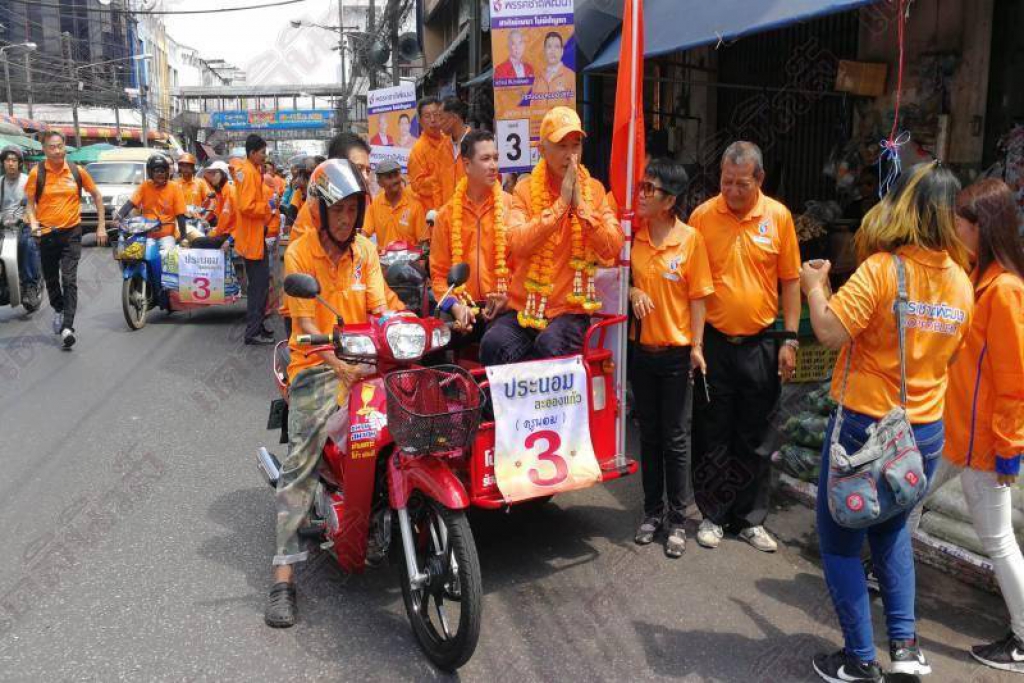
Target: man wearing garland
x: 472, y: 229
x: 559, y: 228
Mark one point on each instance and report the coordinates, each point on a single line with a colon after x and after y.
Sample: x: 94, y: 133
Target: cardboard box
x: 861, y: 78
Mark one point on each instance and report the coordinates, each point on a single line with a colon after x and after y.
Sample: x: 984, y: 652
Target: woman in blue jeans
x: 916, y: 223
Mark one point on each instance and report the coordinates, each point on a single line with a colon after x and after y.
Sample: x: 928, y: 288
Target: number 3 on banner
x: 549, y: 454
x: 201, y: 288
x: 514, y: 143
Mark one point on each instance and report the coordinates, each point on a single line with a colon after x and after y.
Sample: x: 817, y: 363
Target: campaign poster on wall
x: 392, y: 123
x: 534, y: 52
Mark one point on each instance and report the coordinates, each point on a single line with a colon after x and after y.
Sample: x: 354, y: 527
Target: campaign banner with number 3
x: 201, y: 276
x: 542, y: 431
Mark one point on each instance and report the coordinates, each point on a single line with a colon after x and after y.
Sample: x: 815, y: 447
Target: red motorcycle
x: 394, y: 452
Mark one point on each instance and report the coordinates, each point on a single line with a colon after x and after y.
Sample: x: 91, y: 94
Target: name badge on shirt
x: 761, y: 239
x: 358, y: 287
x: 672, y: 277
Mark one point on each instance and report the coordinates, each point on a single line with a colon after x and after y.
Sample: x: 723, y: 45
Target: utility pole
x: 28, y: 80
x: 343, y: 109
x: 66, y: 39
x: 475, y: 38
x: 7, y: 82
x: 371, y: 28
x: 394, y: 12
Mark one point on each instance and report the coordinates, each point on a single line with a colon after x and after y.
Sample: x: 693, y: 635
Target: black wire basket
x: 433, y: 410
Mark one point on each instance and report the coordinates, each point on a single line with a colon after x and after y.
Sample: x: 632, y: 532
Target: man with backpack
x: 54, y: 190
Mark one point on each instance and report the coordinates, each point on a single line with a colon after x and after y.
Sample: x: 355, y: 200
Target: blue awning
x: 676, y: 25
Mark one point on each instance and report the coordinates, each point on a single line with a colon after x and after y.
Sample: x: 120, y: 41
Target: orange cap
x: 187, y: 159
x: 559, y: 122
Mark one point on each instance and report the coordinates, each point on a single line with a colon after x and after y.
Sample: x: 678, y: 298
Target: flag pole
x: 627, y: 229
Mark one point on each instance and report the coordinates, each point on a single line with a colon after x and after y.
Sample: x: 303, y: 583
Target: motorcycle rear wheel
x: 135, y: 302
x: 445, y: 550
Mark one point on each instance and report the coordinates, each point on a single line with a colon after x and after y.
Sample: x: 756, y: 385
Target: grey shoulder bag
x: 885, y: 477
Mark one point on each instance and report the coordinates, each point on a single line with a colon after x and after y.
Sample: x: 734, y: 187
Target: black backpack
x: 76, y: 173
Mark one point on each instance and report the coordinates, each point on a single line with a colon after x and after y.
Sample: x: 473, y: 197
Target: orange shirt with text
x: 164, y: 204
x: 405, y: 221
x: 60, y: 205
x: 478, y: 229
x: 432, y: 171
x: 941, y: 305
x: 253, y: 213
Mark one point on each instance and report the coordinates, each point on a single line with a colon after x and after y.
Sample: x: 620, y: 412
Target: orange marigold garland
x: 583, y: 263
x: 501, y: 271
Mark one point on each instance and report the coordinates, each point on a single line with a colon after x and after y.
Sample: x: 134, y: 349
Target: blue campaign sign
x: 283, y: 119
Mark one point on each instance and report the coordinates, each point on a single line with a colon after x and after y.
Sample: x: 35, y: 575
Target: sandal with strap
x: 282, y: 608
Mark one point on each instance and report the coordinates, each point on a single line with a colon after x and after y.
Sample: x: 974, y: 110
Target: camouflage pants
x: 313, y: 397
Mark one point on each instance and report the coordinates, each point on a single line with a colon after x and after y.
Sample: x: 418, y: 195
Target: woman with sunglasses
x: 671, y: 278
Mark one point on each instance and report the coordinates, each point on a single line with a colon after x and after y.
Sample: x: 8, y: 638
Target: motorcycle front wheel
x: 135, y: 302
x: 445, y: 610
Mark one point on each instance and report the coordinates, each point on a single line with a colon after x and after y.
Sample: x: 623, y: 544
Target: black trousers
x: 731, y: 479
x: 258, y: 274
x: 59, y: 254
x: 505, y: 341
x: 662, y: 393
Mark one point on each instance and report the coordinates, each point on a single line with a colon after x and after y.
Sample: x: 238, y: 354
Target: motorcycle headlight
x: 358, y: 345
x: 408, y: 341
x: 440, y: 337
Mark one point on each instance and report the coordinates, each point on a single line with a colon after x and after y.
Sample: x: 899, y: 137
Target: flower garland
x: 539, y: 277
x: 501, y: 271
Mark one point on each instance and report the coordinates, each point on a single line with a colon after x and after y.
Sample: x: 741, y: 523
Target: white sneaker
x: 709, y: 534
x: 759, y: 538
x: 68, y: 338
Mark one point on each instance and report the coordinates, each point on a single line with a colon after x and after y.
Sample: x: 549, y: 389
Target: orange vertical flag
x: 628, y: 153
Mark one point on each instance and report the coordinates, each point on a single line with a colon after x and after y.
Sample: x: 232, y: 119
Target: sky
x: 262, y: 41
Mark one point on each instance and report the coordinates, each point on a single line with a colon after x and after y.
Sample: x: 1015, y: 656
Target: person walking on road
x: 753, y: 252
x: 54, y: 190
x: 254, y: 213
x: 985, y: 402
x: 671, y: 280
x: 913, y: 226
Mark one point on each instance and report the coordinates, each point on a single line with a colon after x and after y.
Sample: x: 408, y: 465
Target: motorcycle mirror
x: 458, y: 275
x: 301, y: 286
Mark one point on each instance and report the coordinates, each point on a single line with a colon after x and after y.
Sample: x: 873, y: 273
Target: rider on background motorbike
x: 346, y: 265
x: 220, y: 203
x: 159, y: 199
x: 12, y: 209
x: 195, y: 189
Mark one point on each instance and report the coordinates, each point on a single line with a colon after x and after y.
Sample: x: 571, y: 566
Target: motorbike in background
x: 11, y: 292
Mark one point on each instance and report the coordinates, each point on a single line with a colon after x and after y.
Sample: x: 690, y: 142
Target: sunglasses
x: 646, y: 189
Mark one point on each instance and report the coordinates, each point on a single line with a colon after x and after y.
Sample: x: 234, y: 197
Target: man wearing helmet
x: 12, y: 210
x: 346, y: 266
x: 195, y: 189
x: 159, y: 199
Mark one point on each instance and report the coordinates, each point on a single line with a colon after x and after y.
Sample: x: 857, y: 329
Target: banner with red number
x: 201, y: 276
x: 542, y: 430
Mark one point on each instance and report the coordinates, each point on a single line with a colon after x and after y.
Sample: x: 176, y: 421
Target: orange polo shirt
x: 195, y: 190
x: 528, y: 233
x: 253, y: 212
x: 671, y: 274
x: 298, y: 200
x: 164, y: 204
x: 477, y: 246
x: 941, y: 304
x: 432, y: 171
x: 985, y: 402
x: 224, y: 209
x: 748, y: 257
x: 353, y: 286
x: 60, y: 205
x: 406, y: 221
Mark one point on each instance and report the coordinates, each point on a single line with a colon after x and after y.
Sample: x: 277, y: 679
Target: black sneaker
x: 838, y: 668
x: 907, y: 658
x: 1006, y: 654
x: 282, y: 608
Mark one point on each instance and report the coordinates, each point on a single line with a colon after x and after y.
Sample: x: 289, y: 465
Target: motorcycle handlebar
x: 314, y: 340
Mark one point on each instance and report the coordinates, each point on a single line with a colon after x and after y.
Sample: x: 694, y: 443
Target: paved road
x: 137, y: 540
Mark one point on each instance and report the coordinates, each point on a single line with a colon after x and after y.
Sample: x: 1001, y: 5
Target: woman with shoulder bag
x: 671, y: 278
x: 899, y: 320
x: 985, y: 400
